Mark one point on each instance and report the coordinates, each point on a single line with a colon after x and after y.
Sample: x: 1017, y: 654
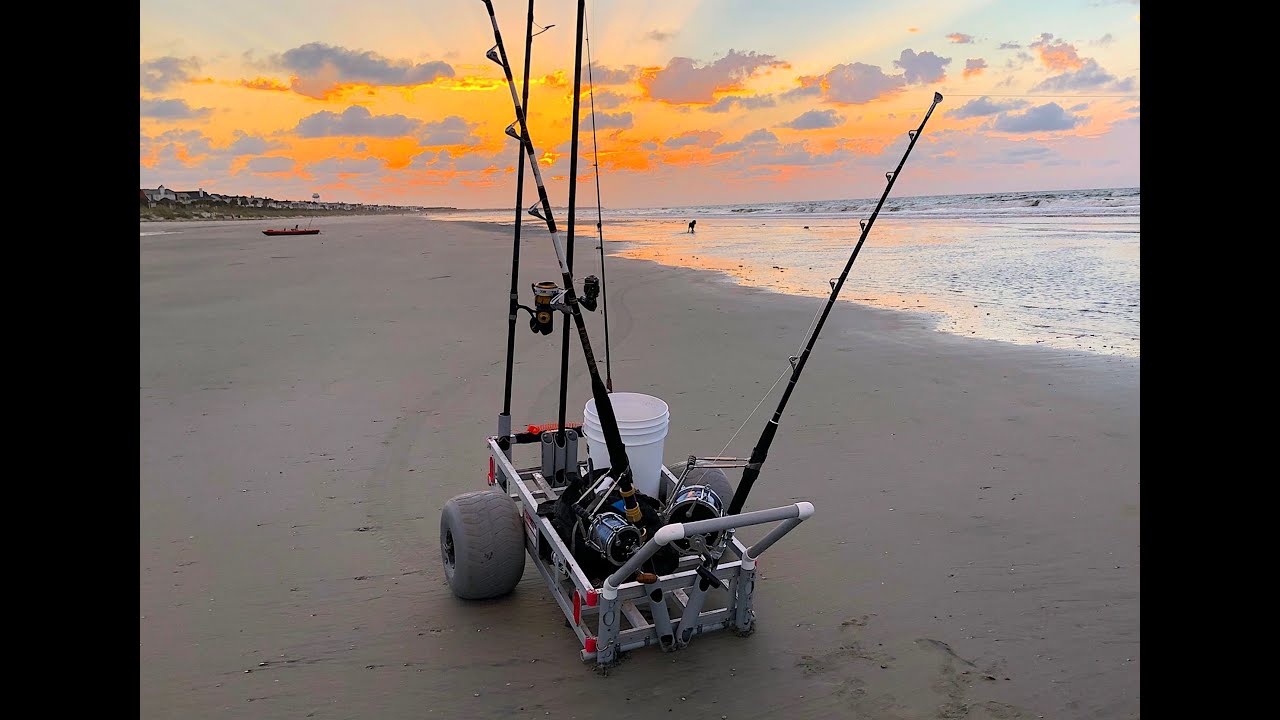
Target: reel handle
x: 709, y: 577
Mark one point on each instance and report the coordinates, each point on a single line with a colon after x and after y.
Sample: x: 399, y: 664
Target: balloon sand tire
x: 482, y: 544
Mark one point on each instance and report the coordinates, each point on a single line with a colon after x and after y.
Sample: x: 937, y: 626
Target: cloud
x: 650, y: 145
x: 659, y: 35
x: 195, y: 144
x: 171, y: 109
x: 1017, y: 61
x: 1042, y: 118
x: 622, y: 120
x: 319, y: 67
x: 614, y: 76
x: 192, y: 142
x: 858, y: 83
x: 1009, y: 46
x: 347, y: 165
x: 810, y: 86
x: 683, y: 81
x: 1019, y: 154
x: 265, y: 84
x: 1079, y: 107
x: 470, y: 162
x: 745, y: 102
x: 1075, y: 72
x: 163, y: 73
x: 984, y: 106
x: 452, y: 130
x: 1057, y: 55
x: 608, y: 99
x: 270, y: 165
x: 357, y: 121
x: 755, y: 137
x: 464, y: 161
x: 1089, y: 76
x: 1104, y: 41
x: 974, y: 66
x: 815, y: 120
x: 923, y: 68
x: 1134, y: 109
x: 249, y: 145
x: 705, y: 138
x: 960, y: 38
x: 793, y: 154
x: 554, y: 80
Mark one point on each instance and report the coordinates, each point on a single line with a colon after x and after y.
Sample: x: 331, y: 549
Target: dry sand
x: 308, y: 404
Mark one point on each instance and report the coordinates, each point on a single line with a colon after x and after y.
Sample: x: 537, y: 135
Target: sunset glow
x: 711, y: 101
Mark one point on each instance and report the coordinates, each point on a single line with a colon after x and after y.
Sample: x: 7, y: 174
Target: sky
x: 695, y: 101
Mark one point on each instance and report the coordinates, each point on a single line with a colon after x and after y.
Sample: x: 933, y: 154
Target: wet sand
x: 308, y: 404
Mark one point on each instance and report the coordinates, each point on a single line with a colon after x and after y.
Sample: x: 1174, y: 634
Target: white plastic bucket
x: 643, y: 421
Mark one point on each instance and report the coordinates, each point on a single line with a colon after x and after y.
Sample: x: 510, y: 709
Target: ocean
x: 1053, y: 268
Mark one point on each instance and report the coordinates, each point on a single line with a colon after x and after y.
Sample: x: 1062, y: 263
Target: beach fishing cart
x: 635, y: 553
x: 486, y: 534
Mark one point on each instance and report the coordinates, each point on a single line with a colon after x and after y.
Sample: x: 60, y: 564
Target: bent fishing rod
x: 604, y: 406
x: 504, y: 420
x: 761, y: 449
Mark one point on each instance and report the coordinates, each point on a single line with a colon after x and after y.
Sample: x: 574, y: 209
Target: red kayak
x: 295, y: 231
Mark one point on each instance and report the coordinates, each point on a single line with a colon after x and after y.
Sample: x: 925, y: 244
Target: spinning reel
x: 548, y: 297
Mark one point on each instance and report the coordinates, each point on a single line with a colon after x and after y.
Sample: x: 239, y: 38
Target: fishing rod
x: 761, y: 450
x: 604, y: 406
x: 571, y: 225
x: 504, y: 420
x: 595, y: 152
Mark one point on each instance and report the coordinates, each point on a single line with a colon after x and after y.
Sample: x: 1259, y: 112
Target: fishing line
x: 799, y: 350
x: 1044, y: 96
x: 812, y: 322
x: 762, y: 399
x: 604, y: 284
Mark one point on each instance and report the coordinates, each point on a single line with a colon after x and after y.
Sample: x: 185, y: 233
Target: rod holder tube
x: 692, y: 613
x: 678, y: 531
x: 661, y: 619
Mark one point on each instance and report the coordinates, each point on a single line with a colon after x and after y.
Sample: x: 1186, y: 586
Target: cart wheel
x: 482, y: 544
x: 713, y: 478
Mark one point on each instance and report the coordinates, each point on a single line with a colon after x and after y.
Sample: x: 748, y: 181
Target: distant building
x: 189, y: 196
x: 160, y: 193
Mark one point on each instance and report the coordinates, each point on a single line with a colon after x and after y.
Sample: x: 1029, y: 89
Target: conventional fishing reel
x: 693, y: 503
x: 613, y: 537
x: 548, y: 297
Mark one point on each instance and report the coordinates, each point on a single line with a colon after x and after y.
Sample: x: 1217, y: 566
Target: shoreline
x: 929, y: 320
x: 219, y: 217
x: 308, y: 406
